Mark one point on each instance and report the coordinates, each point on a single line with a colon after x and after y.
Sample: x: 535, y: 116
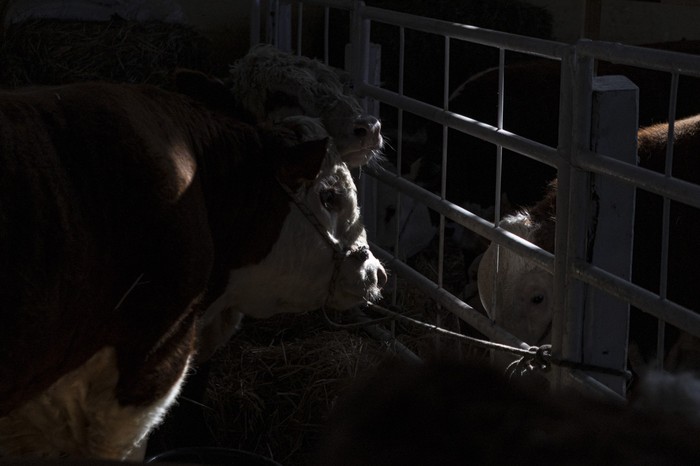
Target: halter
x: 340, y: 252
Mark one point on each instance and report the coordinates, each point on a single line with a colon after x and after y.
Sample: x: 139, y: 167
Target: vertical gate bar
x: 561, y: 238
x: 499, y: 170
x: 499, y: 148
x: 443, y: 179
x: 399, y: 163
x: 271, y: 23
x: 300, y: 21
x: 254, y: 22
x: 282, y: 20
x: 399, y: 142
x: 665, y: 220
x: 326, y: 26
x: 359, y: 47
x: 567, y: 321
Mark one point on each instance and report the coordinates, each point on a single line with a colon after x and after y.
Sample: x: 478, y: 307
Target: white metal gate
x: 583, y: 335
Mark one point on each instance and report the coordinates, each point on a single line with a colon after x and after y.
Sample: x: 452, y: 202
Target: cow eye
x: 328, y: 198
x: 537, y: 299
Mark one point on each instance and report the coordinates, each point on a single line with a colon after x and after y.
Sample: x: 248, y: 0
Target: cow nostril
x: 365, y: 126
x: 360, y: 131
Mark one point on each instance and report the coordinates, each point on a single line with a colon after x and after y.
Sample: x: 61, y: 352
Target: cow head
x: 271, y: 85
x: 320, y: 258
x: 516, y: 294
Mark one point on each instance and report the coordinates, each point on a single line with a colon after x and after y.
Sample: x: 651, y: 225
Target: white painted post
x: 614, y: 117
x: 279, y: 25
x: 254, y: 22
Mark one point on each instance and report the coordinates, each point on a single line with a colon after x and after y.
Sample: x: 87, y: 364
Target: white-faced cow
x: 271, y: 84
x: 125, y: 212
x: 522, y: 301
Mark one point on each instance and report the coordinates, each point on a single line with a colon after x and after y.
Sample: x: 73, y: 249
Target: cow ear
x: 210, y: 91
x: 302, y: 162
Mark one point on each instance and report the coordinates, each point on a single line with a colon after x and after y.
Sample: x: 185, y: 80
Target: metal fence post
x: 575, y: 109
x: 613, y: 133
x: 254, y: 22
x: 279, y: 25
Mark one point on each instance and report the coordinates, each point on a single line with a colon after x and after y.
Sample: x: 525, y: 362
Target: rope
x: 355, y: 325
x: 335, y: 245
x: 340, y: 253
x: 533, y: 359
x: 473, y: 341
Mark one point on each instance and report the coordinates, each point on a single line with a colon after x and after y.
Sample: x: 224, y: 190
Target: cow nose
x: 366, y: 125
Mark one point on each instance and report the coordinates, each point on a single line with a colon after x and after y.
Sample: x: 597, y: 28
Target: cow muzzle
x: 367, y: 141
x: 357, y: 278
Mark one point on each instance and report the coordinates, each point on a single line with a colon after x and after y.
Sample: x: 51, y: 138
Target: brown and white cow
x: 522, y: 301
x: 271, y: 84
x: 126, y: 212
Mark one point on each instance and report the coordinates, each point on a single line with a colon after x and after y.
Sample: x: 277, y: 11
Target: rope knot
x: 538, y: 358
x: 542, y: 358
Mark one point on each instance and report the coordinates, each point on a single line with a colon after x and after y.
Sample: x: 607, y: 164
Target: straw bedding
x: 47, y: 51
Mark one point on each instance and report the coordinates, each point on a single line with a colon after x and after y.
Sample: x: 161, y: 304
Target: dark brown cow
x: 124, y: 212
x: 453, y: 414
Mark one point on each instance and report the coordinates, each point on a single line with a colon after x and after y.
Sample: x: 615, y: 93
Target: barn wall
x: 225, y: 22
x: 631, y: 22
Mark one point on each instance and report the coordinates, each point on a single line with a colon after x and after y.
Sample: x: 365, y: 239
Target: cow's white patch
x: 296, y: 275
x: 79, y: 416
x: 302, y: 272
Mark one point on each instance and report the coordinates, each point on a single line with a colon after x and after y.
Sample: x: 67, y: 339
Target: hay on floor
x: 49, y: 51
x: 272, y: 387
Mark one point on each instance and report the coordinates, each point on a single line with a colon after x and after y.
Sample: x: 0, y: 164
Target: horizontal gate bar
x: 508, y: 140
x: 339, y: 4
x: 467, y: 219
x: 658, y: 183
x: 448, y: 300
x: 673, y: 313
x: 654, y: 59
x: 529, y: 45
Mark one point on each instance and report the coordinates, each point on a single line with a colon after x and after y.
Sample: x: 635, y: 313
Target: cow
x: 127, y: 211
x: 522, y: 302
x: 455, y: 413
x: 270, y: 84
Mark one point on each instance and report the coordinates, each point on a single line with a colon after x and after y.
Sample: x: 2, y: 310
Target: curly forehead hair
x: 266, y: 70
